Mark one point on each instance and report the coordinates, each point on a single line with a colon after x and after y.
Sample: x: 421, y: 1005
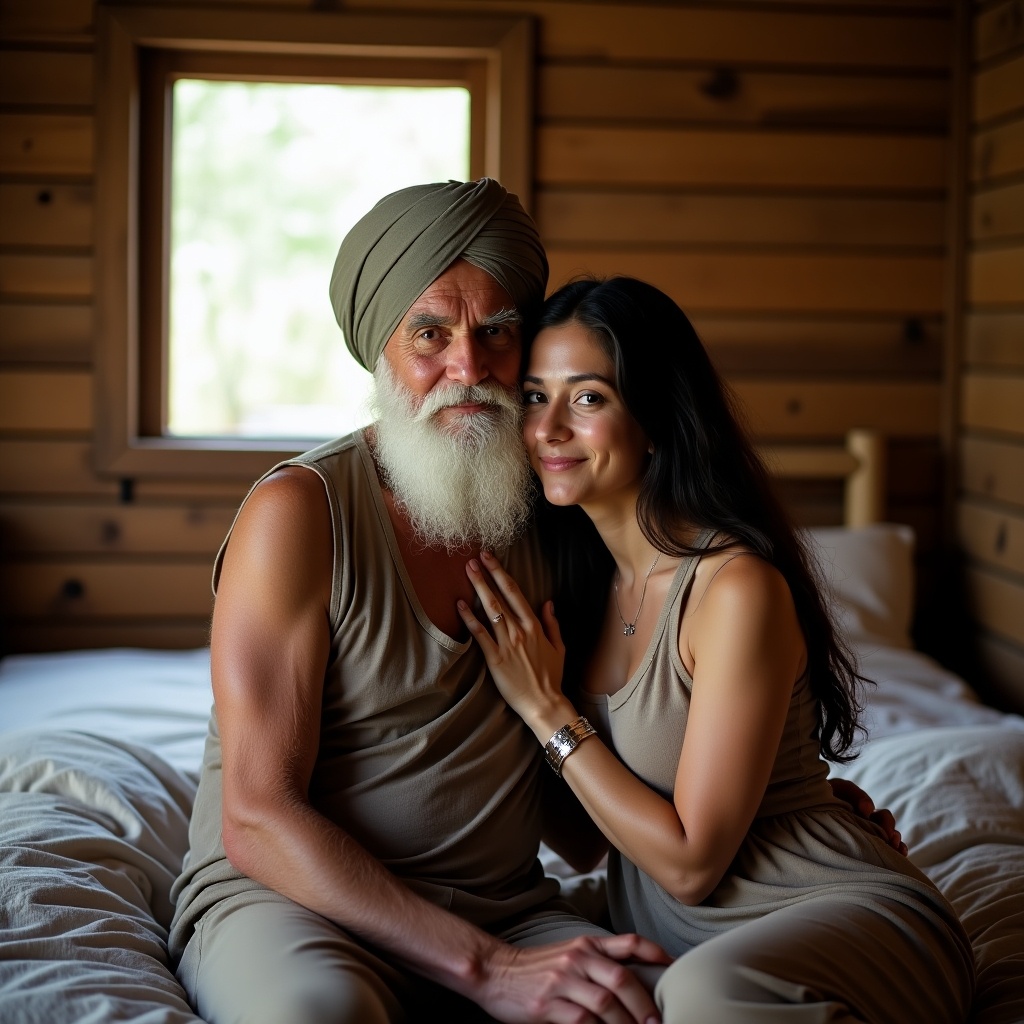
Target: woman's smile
x: 558, y: 463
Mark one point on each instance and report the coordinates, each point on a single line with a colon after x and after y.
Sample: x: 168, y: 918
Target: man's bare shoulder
x: 295, y: 493
x: 286, y: 517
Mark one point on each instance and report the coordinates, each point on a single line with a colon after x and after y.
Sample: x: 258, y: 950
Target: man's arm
x: 270, y: 644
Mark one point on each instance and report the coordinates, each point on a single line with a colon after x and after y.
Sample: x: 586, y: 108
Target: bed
x: 99, y: 752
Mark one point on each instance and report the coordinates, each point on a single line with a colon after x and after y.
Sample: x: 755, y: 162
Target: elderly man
x: 365, y: 836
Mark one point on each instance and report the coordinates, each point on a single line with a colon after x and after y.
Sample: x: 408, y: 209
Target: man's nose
x: 466, y: 360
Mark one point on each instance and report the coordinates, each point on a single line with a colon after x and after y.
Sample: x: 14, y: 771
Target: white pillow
x: 869, y: 572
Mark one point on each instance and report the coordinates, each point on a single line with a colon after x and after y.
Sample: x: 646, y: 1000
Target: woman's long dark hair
x: 704, y: 472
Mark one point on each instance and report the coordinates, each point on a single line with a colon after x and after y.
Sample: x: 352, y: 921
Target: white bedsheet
x: 913, y: 691
x: 158, y: 699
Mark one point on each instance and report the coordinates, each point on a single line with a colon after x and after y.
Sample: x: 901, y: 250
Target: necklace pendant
x: 629, y: 630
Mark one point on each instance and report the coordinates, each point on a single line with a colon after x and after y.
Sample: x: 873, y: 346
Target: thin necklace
x: 629, y: 628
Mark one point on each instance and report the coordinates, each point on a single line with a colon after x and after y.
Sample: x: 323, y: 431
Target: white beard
x: 459, y: 487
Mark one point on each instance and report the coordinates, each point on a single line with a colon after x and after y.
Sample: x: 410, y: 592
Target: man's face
x: 448, y: 436
x: 462, y: 330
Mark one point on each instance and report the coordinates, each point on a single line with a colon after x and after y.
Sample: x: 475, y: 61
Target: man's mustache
x: 485, y: 393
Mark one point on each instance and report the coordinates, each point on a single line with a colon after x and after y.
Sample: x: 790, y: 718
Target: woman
x: 700, y: 648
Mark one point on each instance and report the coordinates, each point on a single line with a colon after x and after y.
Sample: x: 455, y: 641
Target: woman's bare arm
x: 746, y: 648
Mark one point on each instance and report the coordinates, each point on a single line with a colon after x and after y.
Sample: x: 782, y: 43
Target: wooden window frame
x: 141, y: 47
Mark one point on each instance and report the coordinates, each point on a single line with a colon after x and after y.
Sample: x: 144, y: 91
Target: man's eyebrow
x: 427, y: 319
x: 503, y: 316
x: 576, y: 378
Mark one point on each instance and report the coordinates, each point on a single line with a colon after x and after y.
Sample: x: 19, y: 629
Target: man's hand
x: 861, y: 804
x: 579, y: 981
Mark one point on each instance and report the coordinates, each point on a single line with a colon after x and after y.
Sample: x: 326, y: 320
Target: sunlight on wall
x: 266, y: 179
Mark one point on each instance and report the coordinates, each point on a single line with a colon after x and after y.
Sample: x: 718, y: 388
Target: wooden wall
x: 990, y: 509
x: 780, y: 168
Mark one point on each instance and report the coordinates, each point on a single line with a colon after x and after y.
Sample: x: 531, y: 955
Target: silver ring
x: 497, y: 618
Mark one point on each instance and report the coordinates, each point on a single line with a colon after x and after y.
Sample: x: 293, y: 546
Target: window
x: 266, y: 178
x: 164, y: 408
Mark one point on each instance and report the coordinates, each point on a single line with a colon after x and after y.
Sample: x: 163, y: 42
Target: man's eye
x: 498, y: 334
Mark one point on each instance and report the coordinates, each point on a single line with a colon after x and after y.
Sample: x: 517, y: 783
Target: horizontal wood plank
x: 43, y: 402
x: 998, y: 29
x: 637, y: 31
x: 45, y: 144
x: 111, y: 528
x: 46, y: 215
x: 45, y: 19
x: 22, y: 635
x: 890, y: 347
x: 996, y: 602
x: 996, y: 275
x: 49, y: 467
x: 998, y: 213
x: 827, y: 409
x: 992, y: 469
x: 694, y: 157
x: 648, y: 217
x: 735, y: 282
x: 51, y: 78
x: 939, y: 6
x: 227, y: 491
x: 995, y: 340
x: 998, y: 152
x: 726, y: 96
x: 990, y: 402
x: 88, y: 589
x: 991, y: 535
x: 37, y: 333
x: 58, y: 277
x: 808, y: 345
x: 999, y: 90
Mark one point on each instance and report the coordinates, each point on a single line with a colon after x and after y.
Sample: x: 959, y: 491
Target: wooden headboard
x: 859, y: 463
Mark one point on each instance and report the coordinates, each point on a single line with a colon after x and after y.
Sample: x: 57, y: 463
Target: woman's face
x: 583, y: 442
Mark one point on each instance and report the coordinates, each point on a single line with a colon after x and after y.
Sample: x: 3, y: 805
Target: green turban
x: 412, y: 236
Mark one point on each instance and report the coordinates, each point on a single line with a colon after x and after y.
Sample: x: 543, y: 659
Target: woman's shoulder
x: 740, y: 603
x: 732, y: 578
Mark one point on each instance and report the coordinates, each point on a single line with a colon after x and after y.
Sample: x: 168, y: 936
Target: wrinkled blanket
x: 92, y: 834
x: 958, y: 797
x: 93, y: 831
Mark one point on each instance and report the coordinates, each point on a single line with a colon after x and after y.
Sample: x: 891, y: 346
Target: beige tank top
x: 420, y: 759
x: 633, y: 720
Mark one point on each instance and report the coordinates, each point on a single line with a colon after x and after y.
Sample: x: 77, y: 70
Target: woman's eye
x: 533, y: 397
x: 590, y: 398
